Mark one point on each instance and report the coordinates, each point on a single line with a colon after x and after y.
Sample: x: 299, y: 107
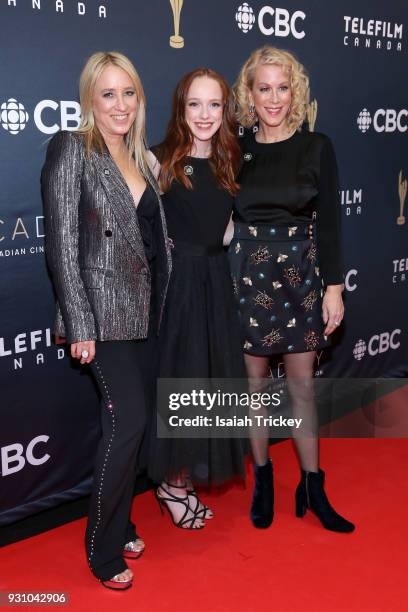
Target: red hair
x: 178, y: 142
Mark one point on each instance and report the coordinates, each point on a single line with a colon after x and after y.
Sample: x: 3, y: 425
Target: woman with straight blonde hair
x: 286, y: 254
x: 108, y: 253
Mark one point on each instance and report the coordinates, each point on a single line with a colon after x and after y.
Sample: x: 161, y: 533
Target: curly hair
x: 299, y: 85
x: 178, y: 142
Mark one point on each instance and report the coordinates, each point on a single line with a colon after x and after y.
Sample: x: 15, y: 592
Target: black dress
x: 286, y: 243
x: 147, y: 212
x: 199, y: 334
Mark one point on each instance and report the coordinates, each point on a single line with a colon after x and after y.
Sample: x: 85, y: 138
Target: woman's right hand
x: 77, y: 349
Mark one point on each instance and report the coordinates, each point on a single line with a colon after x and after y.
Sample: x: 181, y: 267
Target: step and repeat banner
x: 356, y: 55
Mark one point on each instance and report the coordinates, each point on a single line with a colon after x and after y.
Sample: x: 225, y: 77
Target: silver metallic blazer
x: 94, y: 246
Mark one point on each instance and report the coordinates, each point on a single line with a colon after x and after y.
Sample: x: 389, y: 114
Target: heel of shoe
x: 311, y: 494
x: 117, y: 585
x: 134, y: 549
x: 300, y: 509
x: 189, y: 519
x: 300, y: 501
x: 262, y: 507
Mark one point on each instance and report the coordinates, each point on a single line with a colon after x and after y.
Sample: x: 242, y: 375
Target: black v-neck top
x: 147, y: 211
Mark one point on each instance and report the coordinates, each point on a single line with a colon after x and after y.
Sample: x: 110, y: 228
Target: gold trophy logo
x: 176, y: 41
x: 402, y: 191
x: 311, y: 114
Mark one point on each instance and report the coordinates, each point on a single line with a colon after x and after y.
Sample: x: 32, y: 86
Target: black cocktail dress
x: 199, y: 335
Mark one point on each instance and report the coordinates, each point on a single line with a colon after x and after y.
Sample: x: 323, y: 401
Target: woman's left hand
x: 80, y: 349
x: 332, y: 308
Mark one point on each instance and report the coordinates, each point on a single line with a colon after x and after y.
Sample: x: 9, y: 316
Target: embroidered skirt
x: 277, y: 284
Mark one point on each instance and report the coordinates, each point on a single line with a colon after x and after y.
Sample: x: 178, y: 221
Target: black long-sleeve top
x: 286, y: 183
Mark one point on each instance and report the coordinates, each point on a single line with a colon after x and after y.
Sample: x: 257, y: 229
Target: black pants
x: 125, y: 372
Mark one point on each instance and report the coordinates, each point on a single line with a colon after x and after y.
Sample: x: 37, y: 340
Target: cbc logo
x: 13, y: 458
x: 13, y: 116
x: 245, y: 17
x: 383, y: 120
x: 350, y: 280
x: 271, y: 21
x: 49, y: 116
x: 379, y: 343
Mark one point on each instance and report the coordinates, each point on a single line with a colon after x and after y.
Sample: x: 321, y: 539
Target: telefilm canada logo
x: 65, y: 7
x: 399, y: 270
x: 351, y: 202
x: 49, y: 116
x: 30, y: 348
x: 383, y: 120
x: 377, y: 344
x: 271, y: 21
x: 372, y: 34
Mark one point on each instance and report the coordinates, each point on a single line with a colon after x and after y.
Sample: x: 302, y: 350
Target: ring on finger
x: 85, y: 354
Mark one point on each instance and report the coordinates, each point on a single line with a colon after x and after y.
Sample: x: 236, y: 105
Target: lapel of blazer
x: 121, y: 201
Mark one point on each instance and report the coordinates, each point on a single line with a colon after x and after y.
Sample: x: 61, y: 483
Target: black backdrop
x: 356, y: 54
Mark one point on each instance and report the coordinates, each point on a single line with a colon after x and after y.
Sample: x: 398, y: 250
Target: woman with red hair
x: 196, y: 165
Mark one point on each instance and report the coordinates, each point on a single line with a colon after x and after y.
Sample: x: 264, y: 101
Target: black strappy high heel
x: 199, y: 507
x: 186, y: 522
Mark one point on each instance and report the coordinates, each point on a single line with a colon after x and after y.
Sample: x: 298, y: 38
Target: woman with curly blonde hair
x: 286, y: 254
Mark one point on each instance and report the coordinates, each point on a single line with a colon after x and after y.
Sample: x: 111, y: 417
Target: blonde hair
x: 299, y: 85
x: 135, y: 139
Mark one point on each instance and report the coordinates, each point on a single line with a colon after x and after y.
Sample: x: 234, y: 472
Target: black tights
x: 299, y: 376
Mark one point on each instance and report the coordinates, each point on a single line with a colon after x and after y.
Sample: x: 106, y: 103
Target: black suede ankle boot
x: 262, y: 501
x: 310, y: 494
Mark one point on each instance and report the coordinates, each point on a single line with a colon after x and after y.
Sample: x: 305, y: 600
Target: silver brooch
x: 188, y: 170
x: 248, y: 156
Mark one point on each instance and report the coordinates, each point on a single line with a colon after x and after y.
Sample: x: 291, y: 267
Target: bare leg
x: 299, y: 373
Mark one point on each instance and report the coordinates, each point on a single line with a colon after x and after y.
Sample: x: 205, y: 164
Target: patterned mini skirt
x: 277, y: 283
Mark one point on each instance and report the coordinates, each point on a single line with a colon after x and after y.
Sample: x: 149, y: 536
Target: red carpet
x: 295, y: 565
